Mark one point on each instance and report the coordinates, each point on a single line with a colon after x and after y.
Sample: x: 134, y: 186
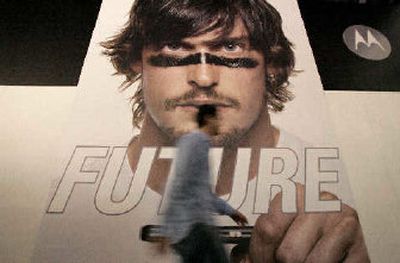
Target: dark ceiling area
x: 339, y: 67
x: 44, y: 42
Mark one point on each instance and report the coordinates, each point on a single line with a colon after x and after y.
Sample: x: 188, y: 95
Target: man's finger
x: 268, y: 232
x: 334, y: 244
x: 305, y: 231
x: 358, y: 251
x: 300, y: 238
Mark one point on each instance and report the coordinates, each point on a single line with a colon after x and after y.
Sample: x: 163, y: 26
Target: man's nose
x: 203, y: 75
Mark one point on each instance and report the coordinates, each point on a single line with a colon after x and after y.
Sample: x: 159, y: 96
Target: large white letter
x: 277, y: 166
x: 104, y: 201
x: 85, y: 165
x: 167, y: 153
x: 240, y: 178
x: 315, y: 176
x: 215, y: 162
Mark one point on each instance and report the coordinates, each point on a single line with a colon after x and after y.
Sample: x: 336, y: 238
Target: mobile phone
x: 228, y: 234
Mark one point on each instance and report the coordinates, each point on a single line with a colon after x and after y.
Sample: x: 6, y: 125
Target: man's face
x: 205, y: 69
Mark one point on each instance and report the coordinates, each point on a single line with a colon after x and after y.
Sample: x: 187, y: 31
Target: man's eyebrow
x: 219, y: 41
x: 184, y: 44
x: 223, y: 40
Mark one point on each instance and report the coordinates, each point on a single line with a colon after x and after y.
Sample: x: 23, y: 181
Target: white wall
x: 32, y: 122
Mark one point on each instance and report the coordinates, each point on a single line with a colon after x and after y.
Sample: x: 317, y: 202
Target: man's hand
x: 307, y: 237
x: 239, y: 218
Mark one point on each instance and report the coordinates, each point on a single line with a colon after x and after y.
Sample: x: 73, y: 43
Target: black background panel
x: 340, y: 68
x: 44, y: 42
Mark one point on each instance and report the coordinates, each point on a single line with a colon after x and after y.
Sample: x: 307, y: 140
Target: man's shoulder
x: 287, y: 139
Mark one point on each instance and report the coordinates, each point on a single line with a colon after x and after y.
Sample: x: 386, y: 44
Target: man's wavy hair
x: 153, y: 23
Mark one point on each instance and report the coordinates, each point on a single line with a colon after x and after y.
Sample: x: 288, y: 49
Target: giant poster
x: 275, y: 158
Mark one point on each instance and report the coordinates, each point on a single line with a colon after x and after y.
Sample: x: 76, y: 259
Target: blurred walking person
x: 188, y: 220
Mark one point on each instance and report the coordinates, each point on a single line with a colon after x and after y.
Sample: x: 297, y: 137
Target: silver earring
x: 271, y: 78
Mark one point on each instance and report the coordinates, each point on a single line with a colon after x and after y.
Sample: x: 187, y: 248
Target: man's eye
x: 232, y: 47
x: 172, y: 47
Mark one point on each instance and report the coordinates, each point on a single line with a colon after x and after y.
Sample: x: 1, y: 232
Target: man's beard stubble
x: 228, y: 139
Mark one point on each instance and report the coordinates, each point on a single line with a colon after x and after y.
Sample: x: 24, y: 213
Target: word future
x: 103, y: 166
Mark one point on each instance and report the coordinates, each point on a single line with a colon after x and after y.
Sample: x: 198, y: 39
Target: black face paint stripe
x: 171, y: 61
x: 231, y: 62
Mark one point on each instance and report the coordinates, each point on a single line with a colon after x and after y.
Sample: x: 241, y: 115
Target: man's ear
x: 273, y: 75
x: 273, y: 70
x: 137, y: 67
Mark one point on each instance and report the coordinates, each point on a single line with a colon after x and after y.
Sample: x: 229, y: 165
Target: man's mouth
x: 192, y: 101
x: 200, y: 102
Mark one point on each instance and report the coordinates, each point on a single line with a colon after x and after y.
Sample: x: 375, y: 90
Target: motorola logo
x: 367, y: 42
